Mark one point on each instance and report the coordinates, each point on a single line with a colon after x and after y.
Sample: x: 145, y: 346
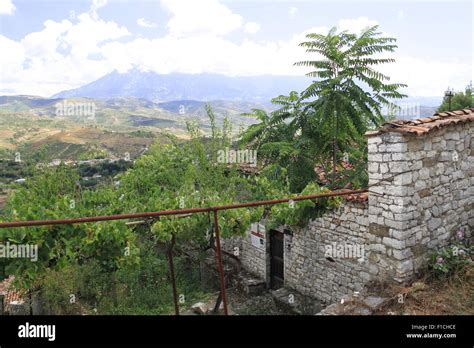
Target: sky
x: 50, y: 46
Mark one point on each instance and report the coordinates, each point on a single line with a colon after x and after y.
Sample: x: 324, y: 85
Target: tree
x: 348, y: 93
x: 331, y: 116
x: 284, y: 139
x: 460, y: 100
x: 177, y: 175
x: 53, y: 194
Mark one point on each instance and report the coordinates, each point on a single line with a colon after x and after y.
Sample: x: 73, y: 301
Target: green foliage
x: 173, y: 176
x: 53, y: 194
x: 330, y: 117
x: 302, y: 211
x: 453, y: 258
x: 74, y: 289
x: 185, y: 175
x: 106, y: 169
x: 460, y: 100
x: 342, y: 109
x: 93, y: 153
x: 11, y: 170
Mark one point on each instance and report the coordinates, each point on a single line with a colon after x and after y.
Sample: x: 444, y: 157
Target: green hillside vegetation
x: 186, y: 172
x: 460, y: 100
x: 114, y: 267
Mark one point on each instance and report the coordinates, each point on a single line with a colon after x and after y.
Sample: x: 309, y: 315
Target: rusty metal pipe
x: 169, y: 251
x: 220, y: 265
x: 13, y: 224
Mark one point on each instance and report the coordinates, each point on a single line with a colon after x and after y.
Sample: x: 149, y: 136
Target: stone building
x: 421, y: 193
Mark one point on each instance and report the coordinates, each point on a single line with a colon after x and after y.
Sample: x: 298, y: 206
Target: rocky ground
x: 263, y: 304
x: 240, y: 303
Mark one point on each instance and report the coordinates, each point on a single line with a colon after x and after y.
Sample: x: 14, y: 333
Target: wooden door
x: 276, y: 260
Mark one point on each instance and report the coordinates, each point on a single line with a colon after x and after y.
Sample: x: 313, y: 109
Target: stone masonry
x: 421, y: 192
x: 308, y: 268
x: 431, y: 198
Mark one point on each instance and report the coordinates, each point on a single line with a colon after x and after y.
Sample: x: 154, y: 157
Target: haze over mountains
x: 133, y: 108
x: 138, y: 98
x: 203, y: 87
x: 177, y: 86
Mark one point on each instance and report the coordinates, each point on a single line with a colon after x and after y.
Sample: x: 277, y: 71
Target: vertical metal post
x: 172, y: 276
x: 219, y: 261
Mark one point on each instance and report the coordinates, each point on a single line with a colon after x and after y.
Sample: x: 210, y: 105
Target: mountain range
x: 176, y: 86
x: 193, y: 88
x: 142, y: 105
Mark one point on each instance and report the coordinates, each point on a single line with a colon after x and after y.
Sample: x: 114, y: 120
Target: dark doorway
x: 276, y: 260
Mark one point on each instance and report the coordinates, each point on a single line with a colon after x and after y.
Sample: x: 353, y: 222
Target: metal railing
x: 213, y: 209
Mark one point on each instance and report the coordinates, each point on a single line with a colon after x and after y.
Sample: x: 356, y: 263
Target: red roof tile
x: 10, y: 293
x: 357, y: 197
x: 426, y: 124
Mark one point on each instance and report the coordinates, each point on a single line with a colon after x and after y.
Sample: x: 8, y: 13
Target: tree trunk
x: 334, y: 147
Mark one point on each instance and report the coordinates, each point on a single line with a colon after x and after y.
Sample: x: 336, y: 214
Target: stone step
x: 355, y: 305
x: 295, y: 302
x: 250, y: 284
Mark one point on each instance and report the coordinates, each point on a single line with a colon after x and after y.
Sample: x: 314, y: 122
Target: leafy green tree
x: 348, y: 94
x: 330, y: 117
x: 284, y: 139
x: 53, y: 193
x: 181, y: 174
x: 460, y: 100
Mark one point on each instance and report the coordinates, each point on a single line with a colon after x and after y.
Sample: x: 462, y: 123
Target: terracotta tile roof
x: 10, y: 294
x: 426, y: 124
x: 323, y: 180
x: 358, y: 197
x: 322, y: 173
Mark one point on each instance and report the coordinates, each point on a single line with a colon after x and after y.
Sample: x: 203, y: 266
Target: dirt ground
x: 264, y: 304
x: 428, y: 296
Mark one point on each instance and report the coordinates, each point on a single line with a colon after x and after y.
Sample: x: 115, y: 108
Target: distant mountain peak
x: 178, y: 86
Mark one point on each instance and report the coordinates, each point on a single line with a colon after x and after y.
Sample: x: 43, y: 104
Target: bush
x: 75, y: 289
x: 453, y: 258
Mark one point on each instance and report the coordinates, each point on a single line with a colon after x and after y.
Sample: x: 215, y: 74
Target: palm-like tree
x: 285, y: 139
x: 273, y: 140
x: 348, y: 94
x: 333, y: 113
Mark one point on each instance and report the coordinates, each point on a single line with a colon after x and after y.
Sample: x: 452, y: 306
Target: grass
x: 431, y: 296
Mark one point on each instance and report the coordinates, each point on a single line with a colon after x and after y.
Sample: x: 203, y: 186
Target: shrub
x: 452, y: 258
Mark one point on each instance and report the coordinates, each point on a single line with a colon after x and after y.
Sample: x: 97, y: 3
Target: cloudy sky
x: 49, y: 46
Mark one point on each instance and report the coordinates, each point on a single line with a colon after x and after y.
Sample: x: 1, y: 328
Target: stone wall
x: 254, y: 259
x: 421, y: 193
x: 430, y: 198
x: 312, y: 263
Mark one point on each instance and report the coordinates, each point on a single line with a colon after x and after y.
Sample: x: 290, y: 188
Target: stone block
x: 379, y: 230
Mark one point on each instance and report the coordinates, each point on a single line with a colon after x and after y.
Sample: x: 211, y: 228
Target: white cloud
x: 97, y: 4
x: 7, y: 7
x: 209, y: 54
x: 142, y: 22
x: 58, y: 56
x: 10, y: 63
x: 67, y: 54
x: 251, y: 27
x: 204, y: 17
x: 428, y: 77
x: 356, y: 25
x: 292, y: 11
